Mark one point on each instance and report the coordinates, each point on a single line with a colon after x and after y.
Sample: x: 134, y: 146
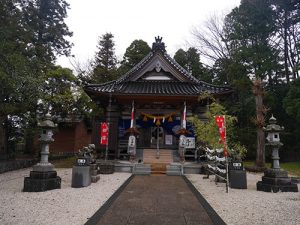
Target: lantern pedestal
x: 275, y: 180
x: 42, y: 181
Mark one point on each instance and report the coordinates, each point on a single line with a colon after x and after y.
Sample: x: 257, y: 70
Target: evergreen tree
x: 137, y: 50
x: 291, y: 102
x: 105, y: 61
x: 48, y: 32
x: 32, y: 33
x: 181, y: 58
x: 287, y: 21
x: 250, y: 27
x: 190, y: 60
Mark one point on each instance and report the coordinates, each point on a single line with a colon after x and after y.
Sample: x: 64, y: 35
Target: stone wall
x: 16, y: 164
x: 70, y: 138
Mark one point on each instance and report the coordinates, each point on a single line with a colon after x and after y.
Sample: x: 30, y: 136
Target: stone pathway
x: 156, y: 200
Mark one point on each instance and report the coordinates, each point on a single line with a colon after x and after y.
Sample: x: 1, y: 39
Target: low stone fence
x: 16, y: 164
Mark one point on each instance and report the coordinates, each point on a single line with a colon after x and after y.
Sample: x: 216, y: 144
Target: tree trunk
x: 3, y: 138
x: 285, y: 41
x: 259, y: 122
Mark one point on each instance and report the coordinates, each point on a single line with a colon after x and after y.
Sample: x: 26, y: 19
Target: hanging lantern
x: 157, y: 122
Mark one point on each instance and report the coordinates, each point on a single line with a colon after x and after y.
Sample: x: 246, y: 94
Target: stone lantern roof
x: 47, y: 122
x: 273, y: 127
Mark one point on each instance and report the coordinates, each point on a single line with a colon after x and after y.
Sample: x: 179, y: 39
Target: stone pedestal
x: 81, y: 176
x: 94, y: 173
x: 106, y: 167
x: 41, y: 181
x: 275, y: 180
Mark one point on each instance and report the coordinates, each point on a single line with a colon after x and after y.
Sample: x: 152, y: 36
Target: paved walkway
x: 156, y: 200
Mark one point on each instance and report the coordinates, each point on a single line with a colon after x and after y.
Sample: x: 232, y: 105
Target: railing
x: 217, y: 165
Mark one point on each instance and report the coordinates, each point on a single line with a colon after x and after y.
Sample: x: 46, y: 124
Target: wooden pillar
x: 112, y: 117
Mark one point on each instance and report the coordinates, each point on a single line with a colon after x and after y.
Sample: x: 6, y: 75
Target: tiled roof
x: 157, y: 87
x: 129, y: 84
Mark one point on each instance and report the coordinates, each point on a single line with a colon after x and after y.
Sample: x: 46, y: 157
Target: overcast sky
x: 129, y: 20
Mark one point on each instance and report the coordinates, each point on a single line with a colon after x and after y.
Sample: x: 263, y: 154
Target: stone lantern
x: 275, y: 179
x: 43, y: 177
x: 273, y: 139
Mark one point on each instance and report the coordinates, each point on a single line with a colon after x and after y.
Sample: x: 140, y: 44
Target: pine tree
x: 105, y: 60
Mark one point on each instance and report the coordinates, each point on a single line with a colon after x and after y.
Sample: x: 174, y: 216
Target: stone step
x: 165, y: 156
x: 142, y: 169
x: 173, y: 170
x: 158, y: 168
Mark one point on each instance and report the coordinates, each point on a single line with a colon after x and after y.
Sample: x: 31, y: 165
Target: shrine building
x: 158, y: 89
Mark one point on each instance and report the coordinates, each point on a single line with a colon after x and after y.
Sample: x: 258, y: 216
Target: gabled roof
x: 164, y: 88
x: 141, y: 79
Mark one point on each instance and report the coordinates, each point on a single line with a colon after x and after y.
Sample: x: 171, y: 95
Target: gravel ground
x: 248, y: 206
x: 63, y: 206
x: 74, y: 206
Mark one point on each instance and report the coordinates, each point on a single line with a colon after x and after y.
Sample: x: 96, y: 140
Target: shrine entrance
x: 157, y: 137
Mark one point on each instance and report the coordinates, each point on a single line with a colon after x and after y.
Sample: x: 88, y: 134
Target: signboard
x: 190, y: 142
x: 169, y: 139
x: 131, y: 141
x: 104, y: 134
x: 182, y: 141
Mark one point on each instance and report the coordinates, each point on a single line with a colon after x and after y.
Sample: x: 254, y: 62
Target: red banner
x: 104, y: 134
x: 220, y: 120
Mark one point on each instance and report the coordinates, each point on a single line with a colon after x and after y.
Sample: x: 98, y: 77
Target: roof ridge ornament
x: 158, y: 45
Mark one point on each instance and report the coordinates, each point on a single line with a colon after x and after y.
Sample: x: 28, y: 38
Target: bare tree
x: 210, y: 39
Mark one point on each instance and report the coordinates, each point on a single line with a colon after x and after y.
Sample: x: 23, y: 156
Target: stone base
x: 94, y: 173
x: 276, y: 173
x: 106, y: 168
x: 275, y: 180
x: 94, y: 179
x: 42, y: 181
x: 275, y: 188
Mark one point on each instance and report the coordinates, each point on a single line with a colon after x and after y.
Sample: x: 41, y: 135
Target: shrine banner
x: 104, y: 134
x: 221, y: 123
x: 184, y: 117
x: 220, y: 120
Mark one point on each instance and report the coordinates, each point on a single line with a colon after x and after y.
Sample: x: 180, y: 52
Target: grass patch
x: 64, y: 163
x: 293, y: 168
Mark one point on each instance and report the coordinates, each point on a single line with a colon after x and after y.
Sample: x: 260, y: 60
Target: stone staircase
x: 165, y: 156
x: 158, y: 164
